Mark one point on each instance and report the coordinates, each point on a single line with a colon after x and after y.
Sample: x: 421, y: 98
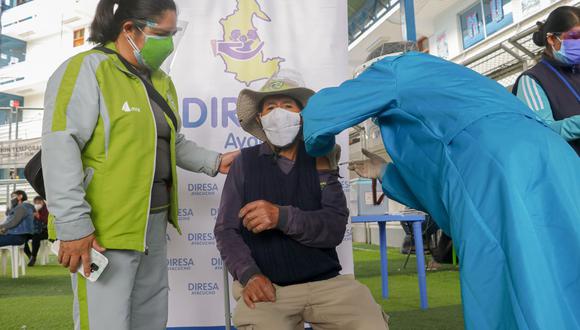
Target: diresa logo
x: 201, y: 239
x: 127, y: 108
x: 202, y: 189
x: 203, y: 288
x: 184, y: 214
x: 217, y: 263
x: 241, y: 48
x: 179, y: 263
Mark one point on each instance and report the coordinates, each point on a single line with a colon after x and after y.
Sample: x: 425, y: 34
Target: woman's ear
x: 128, y: 27
x: 554, y: 43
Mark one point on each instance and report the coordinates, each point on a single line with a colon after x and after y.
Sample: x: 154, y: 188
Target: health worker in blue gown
x: 493, y: 176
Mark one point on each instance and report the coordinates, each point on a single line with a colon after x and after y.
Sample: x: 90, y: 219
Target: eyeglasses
x: 152, y: 26
x: 572, y: 35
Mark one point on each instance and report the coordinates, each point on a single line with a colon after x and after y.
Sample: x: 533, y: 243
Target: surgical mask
x: 281, y: 127
x: 569, y: 52
x: 37, y: 207
x: 154, y: 52
x: 14, y: 202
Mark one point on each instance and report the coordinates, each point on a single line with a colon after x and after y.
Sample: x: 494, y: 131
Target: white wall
x: 448, y: 22
x: 34, y: 100
x: 53, y: 50
x: 45, y: 54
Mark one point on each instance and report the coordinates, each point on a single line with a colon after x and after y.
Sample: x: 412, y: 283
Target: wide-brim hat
x: 249, y: 101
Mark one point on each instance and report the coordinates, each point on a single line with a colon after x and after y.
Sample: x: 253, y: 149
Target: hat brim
x: 249, y: 102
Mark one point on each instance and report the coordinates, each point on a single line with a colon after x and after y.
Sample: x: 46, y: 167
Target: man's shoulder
x: 249, y: 153
x: 251, y: 150
x: 330, y: 160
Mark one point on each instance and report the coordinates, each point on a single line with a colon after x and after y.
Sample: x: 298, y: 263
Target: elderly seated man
x: 281, y: 216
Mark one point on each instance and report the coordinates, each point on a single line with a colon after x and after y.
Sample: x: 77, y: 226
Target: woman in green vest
x: 110, y: 152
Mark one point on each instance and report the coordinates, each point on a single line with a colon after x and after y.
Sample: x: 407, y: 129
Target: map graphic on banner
x: 241, y: 47
x: 227, y: 46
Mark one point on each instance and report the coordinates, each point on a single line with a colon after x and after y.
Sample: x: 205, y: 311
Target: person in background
x: 552, y: 87
x: 110, y: 152
x: 19, y: 224
x: 282, y: 214
x: 40, y: 230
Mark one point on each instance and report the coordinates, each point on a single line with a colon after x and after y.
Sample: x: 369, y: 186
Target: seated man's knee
x: 264, y: 316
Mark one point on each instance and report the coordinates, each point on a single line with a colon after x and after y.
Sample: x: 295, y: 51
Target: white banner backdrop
x: 229, y: 45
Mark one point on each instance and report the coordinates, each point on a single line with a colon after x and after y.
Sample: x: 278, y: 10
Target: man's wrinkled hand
x: 71, y: 254
x: 258, y: 289
x: 260, y: 216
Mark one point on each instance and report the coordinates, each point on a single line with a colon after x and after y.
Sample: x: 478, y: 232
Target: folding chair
x: 17, y: 259
x: 44, y: 252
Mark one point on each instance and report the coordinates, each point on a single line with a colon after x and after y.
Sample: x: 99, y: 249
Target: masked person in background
x: 19, y: 224
x: 110, y: 151
x: 502, y: 184
x: 552, y: 87
x: 40, y: 230
x: 282, y: 214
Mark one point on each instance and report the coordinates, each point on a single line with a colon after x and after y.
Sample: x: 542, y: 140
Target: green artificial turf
x: 443, y: 292
x: 42, y: 299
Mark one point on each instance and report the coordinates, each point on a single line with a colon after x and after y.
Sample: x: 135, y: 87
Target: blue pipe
x: 410, y: 20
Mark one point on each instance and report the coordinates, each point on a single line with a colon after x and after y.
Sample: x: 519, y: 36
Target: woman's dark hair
x: 561, y: 20
x: 38, y: 199
x: 108, y: 23
x: 21, y: 193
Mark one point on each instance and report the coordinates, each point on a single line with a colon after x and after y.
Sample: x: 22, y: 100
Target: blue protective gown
x: 502, y: 184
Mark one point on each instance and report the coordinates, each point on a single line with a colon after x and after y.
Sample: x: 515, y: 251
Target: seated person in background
x: 19, y: 222
x: 281, y: 216
x: 40, y: 230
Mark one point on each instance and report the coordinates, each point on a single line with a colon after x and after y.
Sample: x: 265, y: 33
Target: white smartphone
x: 98, y: 262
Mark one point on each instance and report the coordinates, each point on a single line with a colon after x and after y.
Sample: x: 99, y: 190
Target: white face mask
x: 37, y: 207
x: 281, y: 127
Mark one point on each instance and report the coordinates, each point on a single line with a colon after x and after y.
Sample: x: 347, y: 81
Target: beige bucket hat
x: 287, y: 83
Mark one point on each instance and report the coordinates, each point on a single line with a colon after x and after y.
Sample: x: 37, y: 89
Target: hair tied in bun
x: 539, y: 37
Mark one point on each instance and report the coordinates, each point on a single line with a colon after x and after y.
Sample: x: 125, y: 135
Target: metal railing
x: 14, y: 129
x: 509, y: 57
x: 368, y: 15
x: 512, y: 55
x: 18, y: 128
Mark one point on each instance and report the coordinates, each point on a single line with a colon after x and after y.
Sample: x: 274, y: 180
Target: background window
x: 529, y: 5
x: 498, y: 14
x: 12, y: 51
x: 472, y: 25
x: 79, y: 37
